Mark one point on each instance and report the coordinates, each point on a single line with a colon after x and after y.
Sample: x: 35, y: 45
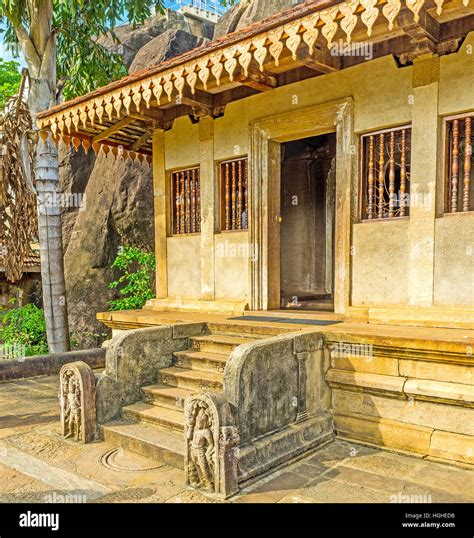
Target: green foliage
x: 24, y: 329
x: 136, y: 284
x: 82, y: 63
x: 10, y: 79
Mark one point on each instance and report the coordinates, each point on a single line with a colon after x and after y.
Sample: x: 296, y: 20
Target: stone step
x: 166, y: 396
x: 147, y: 440
x: 248, y: 330
x: 194, y: 380
x: 154, y: 414
x: 198, y: 360
x: 218, y: 343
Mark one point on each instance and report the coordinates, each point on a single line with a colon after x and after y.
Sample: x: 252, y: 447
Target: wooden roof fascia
x: 193, y: 86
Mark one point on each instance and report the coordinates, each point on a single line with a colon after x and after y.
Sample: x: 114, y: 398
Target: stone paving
x: 37, y: 465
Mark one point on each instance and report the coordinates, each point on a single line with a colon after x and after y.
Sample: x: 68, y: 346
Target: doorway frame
x: 266, y: 136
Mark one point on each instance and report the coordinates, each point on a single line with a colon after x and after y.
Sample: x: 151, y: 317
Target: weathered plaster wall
x: 182, y: 144
x: 454, y: 260
x: 232, y: 264
x: 380, y: 263
x: 379, y: 89
x: 184, y: 273
x: 454, y: 243
x: 384, y: 95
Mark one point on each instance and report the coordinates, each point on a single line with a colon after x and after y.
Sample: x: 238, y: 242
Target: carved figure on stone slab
x: 77, y: 402
x: 72, y: 407
x: 202, y: 448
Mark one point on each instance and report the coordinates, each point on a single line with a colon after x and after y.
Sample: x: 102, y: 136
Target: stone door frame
x: 266, y: 136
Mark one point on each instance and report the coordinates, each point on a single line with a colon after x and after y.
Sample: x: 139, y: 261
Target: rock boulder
x: 129, y: 39
x: 170, y: 44
x: 74, y: 172
x: 119, y: 211
x: 246, y: 12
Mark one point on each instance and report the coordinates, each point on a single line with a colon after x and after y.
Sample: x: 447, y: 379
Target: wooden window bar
x: 386, y: 159
x: 186, y: 189
x: 460, y: 180
x: 234, y: 194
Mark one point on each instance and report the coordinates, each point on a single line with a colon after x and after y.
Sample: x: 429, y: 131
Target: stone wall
x: 280, y: 398
x: 133, y: 360
x: 413, y: 396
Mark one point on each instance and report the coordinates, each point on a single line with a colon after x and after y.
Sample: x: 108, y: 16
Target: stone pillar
x: 160, y: 190
x: 424, y: 175
x: 208, y: 207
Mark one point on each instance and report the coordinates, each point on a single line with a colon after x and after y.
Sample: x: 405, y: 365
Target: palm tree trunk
x: 41, y: 97
x: 51, y: 245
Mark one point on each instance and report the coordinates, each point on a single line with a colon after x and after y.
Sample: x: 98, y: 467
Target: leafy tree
x: 67, y: 31
x: 9, y: 80
x: 136, y: 283
x: 58, y: 38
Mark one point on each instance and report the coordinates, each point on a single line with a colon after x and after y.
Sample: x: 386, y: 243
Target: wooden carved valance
x: 251, y: 54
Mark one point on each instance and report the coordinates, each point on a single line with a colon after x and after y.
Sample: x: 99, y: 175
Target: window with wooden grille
x: 234, y: 194
x: 459, y: 169
x: 386, y: 160
x: 186, y: 196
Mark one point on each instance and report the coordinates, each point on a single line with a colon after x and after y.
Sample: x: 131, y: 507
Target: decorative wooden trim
x: 185, y: 202
x: 458, y: 163
x: 241, y: 61
x: 377, y: 189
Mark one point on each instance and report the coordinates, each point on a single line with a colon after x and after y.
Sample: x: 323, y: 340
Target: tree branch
x: 31, y: 55
x: 47, y: 64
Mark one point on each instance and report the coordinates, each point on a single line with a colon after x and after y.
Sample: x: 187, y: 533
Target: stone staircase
x: 155, y: 426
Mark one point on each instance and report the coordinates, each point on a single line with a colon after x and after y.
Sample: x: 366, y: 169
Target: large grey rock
x: 118, y: 195
x: 74, y: 172
x: 119, y: 212
x: 170, y: 44
x: 247, y: 12
x: 130, y: 39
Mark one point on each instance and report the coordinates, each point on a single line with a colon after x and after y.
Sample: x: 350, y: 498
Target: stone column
x: 424, y: 175
x: 208, y: 207
x: 160, y: 190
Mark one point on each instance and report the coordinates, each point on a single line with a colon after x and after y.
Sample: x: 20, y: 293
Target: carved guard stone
x: 210, y: 450
x: 77, y: 402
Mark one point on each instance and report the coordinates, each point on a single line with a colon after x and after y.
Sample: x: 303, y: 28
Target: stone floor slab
x: 37, y: 465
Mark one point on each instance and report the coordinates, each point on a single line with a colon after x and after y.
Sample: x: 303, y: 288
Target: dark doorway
x: 308, y: 185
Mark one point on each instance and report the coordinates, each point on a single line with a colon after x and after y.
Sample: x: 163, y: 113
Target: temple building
x: 314, y: 218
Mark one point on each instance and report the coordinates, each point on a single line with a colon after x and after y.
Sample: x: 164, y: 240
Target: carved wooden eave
x: 287, y: 47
